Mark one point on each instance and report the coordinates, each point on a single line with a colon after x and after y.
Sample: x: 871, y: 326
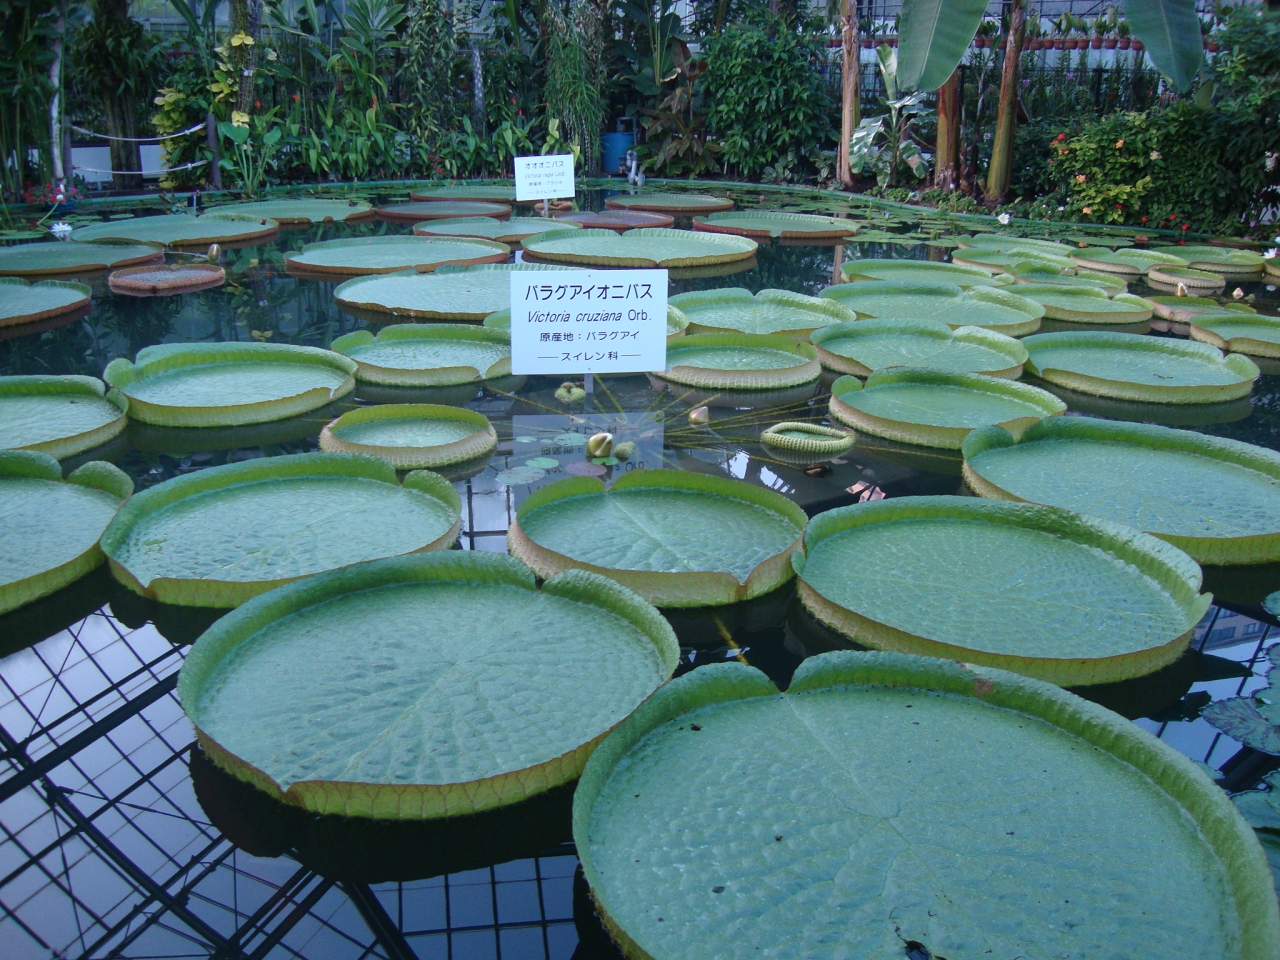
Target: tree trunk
x: 850, y: 91
x: 946, y: 173
x: 60, y: 173
x: 122, y: 121
x: 477, y: 90
x: 1000, y: 171
x: 246, y: 18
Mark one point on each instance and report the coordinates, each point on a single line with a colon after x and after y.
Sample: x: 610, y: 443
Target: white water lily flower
x: 1004, y: 219
x: 61, y: 230
x: 1269, y: 254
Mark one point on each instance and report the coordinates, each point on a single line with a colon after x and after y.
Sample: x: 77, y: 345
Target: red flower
x: 1185, y: 225
x: 1118, y: 207
x: 1144, y: 219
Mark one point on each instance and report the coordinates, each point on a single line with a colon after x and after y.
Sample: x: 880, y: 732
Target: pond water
x: 119, y: 838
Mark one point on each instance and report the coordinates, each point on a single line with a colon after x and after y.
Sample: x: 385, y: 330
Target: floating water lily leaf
x: 1217, y: 499
x: 1170, y: 278
x: 807, y: 438
x: 51, y: 526
x: 428, y: 354
x: 1262, y: 811
x: 217, y: 537
x: 469, y: 688
x: 158, y: 280
x: 1253, y: 720
x: 451, y: 293
x: 1086, y: 304
x: 849, y: 855
x: 677, y: 321
x: 23, y: 302
x: 865, y: 346
x: 1007, y: 261
x: 366, y: 255
x: 998, y: 242
x: 1128, y: 366
x: 1093, y: 240
x: 504, y: 231
x: 442, y: 210
x: 1239, y: 333
x: 917, y: 271
x: 1184, y: 308
x: 997, y: 310
x: 686, y: 204
x: 1045, y: 592
x: 60, y: 416
x: 774, y: 224
x: 1225, y: 261
x: 731, y: 309
x: 644, y: 247
x: 619, y: 220
x: 228, y: 384
x: 181, y: 229
x: 933, y: 408
x: 677, y: 539
x: 496, y: 192
x: 59, y: 257
x: 411, y: 436
x: 300, y: 211
x: 740, y: 361
x: 1040, y: 274
x: 519, y: 476
x: 1128, y: 263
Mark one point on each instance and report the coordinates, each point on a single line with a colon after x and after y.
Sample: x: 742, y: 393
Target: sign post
x: 544, y: 178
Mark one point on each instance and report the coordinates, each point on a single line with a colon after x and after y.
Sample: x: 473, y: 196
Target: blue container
x: 616, y: 146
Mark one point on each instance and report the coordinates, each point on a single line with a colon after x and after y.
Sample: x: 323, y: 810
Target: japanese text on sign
x: 588, y: 321
x: 544, y: 178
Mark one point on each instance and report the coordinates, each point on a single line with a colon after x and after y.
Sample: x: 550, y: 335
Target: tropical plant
x: 253, y: 142
x: 27, y: 36
x: 430, y: 45
x: 679, y: 130
x: 572, y: 93
x: 883, y: 145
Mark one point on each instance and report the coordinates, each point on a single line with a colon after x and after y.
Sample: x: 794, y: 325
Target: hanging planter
x: 1125, y: 42
x: 1110, y: 42
x: 1096, y: 43
x: 1138, y: 44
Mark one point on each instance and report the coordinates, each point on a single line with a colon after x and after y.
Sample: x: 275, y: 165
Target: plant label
x: 544, y: 178
x: 572, y: 322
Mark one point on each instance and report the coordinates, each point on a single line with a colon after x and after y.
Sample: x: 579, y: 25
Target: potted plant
x: 51, y: 197
x: 868, y: 31
x: 1122, y: 33
x: 1061, y: 27
x: 1099, y: 32
x: 986, y: 30
x: 1110, y: 39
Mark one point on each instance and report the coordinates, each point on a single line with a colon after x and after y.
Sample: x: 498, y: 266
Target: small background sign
x: 571, y: 322
x: 544, y: 178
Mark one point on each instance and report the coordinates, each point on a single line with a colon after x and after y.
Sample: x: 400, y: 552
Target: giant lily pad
x: 366, y: 255
x: 1127, y: 366
x: 494, y: 192
x: 619, y: 220
x: 219, y: 536
x: 1225, y: 261
x: 443, y: 210
x: 59, y: 257
x: 451, y: 293
x: 1183, y: 309
x: 469, y: 688
x: 1087, y: 305
x: 917, y: 271
x: 23, y: 302
x: 60, y: 416
x: 504, y: 231
x: 862, y: 347
x: 733, y: 309
x: 1072, y: 277
x: 51, y: 526
x: 301, y: 211
x: 932, y: 408
x: 996, y: 310
x: 1217, y: 499
x: 166, y: 279
x: 427, y: 354
x: 767, y: 224
x: 1128, y: 263
x: 1006, y: 261
x: 1045, y: 592
x: 411, y: 436
x: 897, y: 806
x: 1171, y: 278
x: 228, y: 384
x: 645, y: 247
x: 740, y: 361
x: 181, y: 229
x: 1003, y: 243
x: 1239, y: 333
x: 677, y: 539
x: 681, y: 204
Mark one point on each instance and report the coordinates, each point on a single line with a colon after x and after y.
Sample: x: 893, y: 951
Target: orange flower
x: 1081, y: 178
x: 1119, y: 144
x: 1086, y: 209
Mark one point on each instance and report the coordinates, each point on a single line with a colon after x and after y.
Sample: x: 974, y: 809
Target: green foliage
x: 765, y: 98
x: 572, y: 95
x: 883, y: 145
x: 252, y: 146
x: 430, y: 105
x: 26, y: 36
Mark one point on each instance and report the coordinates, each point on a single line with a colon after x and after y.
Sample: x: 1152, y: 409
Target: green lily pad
x: 644, y: 247
x: 997, y: 310
x: 411, y: 436
x: 300, y: 211
x: 61, y: 257
x: 917, y: 271
x: 1127, y: 366
x: 677, y: 539
x: 366, y: 255
x: 1086, y: 304
x: 427, y: 354
x: 451, y: 293
x: 766, y: 224
x: 1034, y: 273
x: 218, y: 537
x: 1093, y: 240
x: 864, y: 346
x: 733, y: 309
x: 1007, y: 261
x: 181, y: 229
x: 998, y: 242
x: 1217, y: 499
x: 469, y: 689
x: 806, y: 438
x: 1183, y: 309
x: 1239, y: 333
x: 60, y: 416
x: 1225, y: 261
x: 166, y: 279
x: 22, y: 302
x: 681, y: 204
x: 520, y: 476
x: 619, y: 220
x: 504, y: 231
x: 1170, y: 278
x: 228, y: 384
x: 51, y: 526
x: 740, y: 361
x: 1045, y: 592
x: 933, y: 408
x: 496, y: 192
x: 840, y: 848
x: 442, y: 210
x: 1128, y: 263
x: 542, y: 463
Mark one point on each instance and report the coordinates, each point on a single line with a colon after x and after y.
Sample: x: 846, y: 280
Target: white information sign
x: 544, y: 178
x: 588, y: 321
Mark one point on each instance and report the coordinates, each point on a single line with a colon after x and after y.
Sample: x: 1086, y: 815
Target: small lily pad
x: 411, y: 436
x: 518, y: 476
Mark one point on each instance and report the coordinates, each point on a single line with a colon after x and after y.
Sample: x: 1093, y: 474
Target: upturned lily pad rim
x: 486, y: 251
x: 1110, y: 283
x: 357, y: 209
x: 845, y: 292
x: 72, y: 386
x: 200, y: 276
x: 1189, y: 277
x: 132, y: 253
x: 1176, y: 308
x: 1005, y: 242
x: 805, y: 369
x: 495, y: 192
x: 1226, y: 832
x: 86, y: 294
x: 928, y: 329
x: 677, y: 203
x: 797, y: 226
x: 425, y: 376
x: 420, y: 801
x: 1205, y: 329
x: 820, y: 440
x: 169, y: 357
x: 1006, y: 261
x: 612, y: 219
x: 821, y: 310
x: 508, y: 231
x: 206, y: 592
x: 221, y: 228
x: 403, y: 457
x: 1176, y: 573
x: 1263, y: 547
x: 683, y: 589
x: 956, y: 273
x: 719, y: 248
x: 1087, y: 304
x: 345, y: 291
x: 1230, y: 261
x: 1127, y: 262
